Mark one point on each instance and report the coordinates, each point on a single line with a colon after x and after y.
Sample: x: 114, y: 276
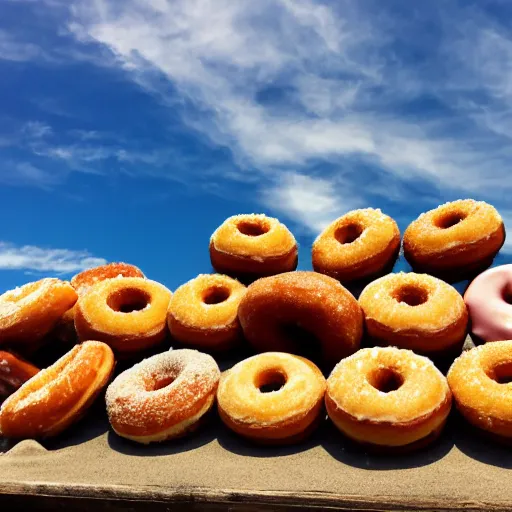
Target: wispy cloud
x: 32, y: 258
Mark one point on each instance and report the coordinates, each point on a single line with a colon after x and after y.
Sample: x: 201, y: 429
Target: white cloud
x: 32, y: 258
x: 19, y: 51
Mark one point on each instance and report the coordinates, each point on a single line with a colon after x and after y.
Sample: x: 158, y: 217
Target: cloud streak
x: 39, y: 259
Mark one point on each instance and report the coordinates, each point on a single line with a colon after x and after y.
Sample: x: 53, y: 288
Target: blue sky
x: 130, y: 130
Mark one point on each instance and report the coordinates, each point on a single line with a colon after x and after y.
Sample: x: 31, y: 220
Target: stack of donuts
x: 369, y: 364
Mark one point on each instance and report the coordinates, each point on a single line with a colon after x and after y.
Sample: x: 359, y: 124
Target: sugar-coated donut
x: 360, y: 244
x: 64, y: 331
x: 415, y: 311
x: 489, y: 301
x: 305, y: 313
x: 129, y: 314
x: 252, y: 245
x: 59, y: 395
x: 455, y: 239
x: 480, y: 383
x: 14, y: 371
x: 388, y: 398
x: 29, y: 312
x: 163, y: 397
x: 274, y: 398
x: 82, y: 281
x: 203, y: 313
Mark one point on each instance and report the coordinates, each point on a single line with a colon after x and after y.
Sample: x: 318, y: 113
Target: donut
x: 84, y: 280
x: 272, y: 398
x: 162, y: 397
x: 203, y: 313
x: 360, y: 244
x: 129, y: 314
x: 388, y: 399
x: 252, y: 245
x: 64, y: 331
x: 480, y: 383
x: 489, y: 301
x: 59, y: 395
x: 29, y: 312
x: 455, y: 239
x: 303, y: 313
x: 14, y: 371
x: 415, y: 311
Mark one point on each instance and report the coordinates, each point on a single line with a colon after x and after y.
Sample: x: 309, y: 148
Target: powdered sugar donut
x: 162, y: 397
x: 388, y: 398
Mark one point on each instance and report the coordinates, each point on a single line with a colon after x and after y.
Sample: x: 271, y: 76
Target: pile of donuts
x: 370, y: 363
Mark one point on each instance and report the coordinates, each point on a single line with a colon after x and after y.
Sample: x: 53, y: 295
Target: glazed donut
x: 31, y: 311
x: 64, y: 331
x: 162, y: 397
x: 14, y: 371
x: 360, y: 244
x: 454, y: 240
x: 203, y: 313
x: 479, y: 380
x: 59, y: 395
x: 252, y: 246
x: 489, y: 301
x: 415, y: 311
x: 388, y: 399
x: 273, y: 398
x: 129, y: 314
x: 84, y: 280
x: 303, y: 312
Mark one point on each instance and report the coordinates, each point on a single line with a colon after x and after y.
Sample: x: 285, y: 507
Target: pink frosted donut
x: 490, y: 306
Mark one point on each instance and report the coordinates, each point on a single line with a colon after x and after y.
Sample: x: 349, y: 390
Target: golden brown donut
x: 360, y: 244
x: 388, y: 398
x: 129, y: 314
x: 29, y: 312
x: 59, y: 395
x: 455, y: 239
x: 203, y: 313
x: 14, y: 371
x: 480, y: 383
x: 302, y: 312
x: 250, y: 246
x: 272, y: 398
x: 84, y: 280
x: 415, y: 311
x: 64, y: 331
x: 163, y: 397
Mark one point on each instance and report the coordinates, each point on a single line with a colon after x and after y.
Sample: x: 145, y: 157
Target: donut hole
x: 348, y: 233
x: 502, y: 373
x: 411, y: 295
x: 303, y: 341
x: 128, y: 300
x: 253, y: 227
x: 450, y: 219
x: 161, y: 383
x: 385, y: 380
x: 270, y: 381
x: 216, y: 295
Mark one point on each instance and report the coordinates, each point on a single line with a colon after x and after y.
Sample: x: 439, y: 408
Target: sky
x: 130, y: 130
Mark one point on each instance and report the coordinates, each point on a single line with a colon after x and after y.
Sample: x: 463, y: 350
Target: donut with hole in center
x: 454, y: 240
x: 249, y: 246
x: 415, y: 311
